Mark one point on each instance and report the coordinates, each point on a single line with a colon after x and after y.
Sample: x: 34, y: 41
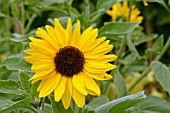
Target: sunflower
x: 120, y: 12
x: 66, y: 62
x: 145, y: 2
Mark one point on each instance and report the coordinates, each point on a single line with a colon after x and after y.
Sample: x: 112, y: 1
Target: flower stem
x: 125, y: 37
x: 149, y: 68
x: 87, y: 8
x: 22, y: 18
x: 30, y: 22
x: 42, y: 105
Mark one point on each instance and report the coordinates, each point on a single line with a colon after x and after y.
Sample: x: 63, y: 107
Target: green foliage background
x: 19, y: 19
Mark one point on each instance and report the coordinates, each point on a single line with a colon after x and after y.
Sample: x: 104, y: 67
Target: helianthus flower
x: 66, y: 62
x: 120, y: 12
x: 145, y: 2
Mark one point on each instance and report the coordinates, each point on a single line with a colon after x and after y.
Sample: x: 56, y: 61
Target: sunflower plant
x: 102, y: 56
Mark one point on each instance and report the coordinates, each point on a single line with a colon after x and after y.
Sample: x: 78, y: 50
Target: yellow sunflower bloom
x: 66, y: 62
x: 145, y: 2
x: 119, y: 12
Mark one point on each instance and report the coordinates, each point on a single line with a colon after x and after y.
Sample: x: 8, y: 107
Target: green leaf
x: 98, y: 101
x: 158, y: 44
x: 129, y: 59
x: 119, y: 105
x: 106, y: 4
x: 117, y: 28
x: 24, y: 79
x: 47, y: 108
x: 145, y: 38
x: 15, y: 10
x: 162, y: 73
x: 8, y: 104
x: 9, y: 86
x: 58, y: 106
x: 96, y: 15
x: 131, y: 46
x: 16, y: 63
x: 120, y: 84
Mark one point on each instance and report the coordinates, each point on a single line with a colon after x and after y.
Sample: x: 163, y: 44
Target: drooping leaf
x: 121, y: 104
x: 9, y: 86
x: 162, y: 74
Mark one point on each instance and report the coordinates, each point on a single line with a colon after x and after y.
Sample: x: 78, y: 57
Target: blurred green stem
x: 87, y: 8
x: 22, y: 18
x: 149, y: 68
x: 125, y: 37
x: 30, y: 22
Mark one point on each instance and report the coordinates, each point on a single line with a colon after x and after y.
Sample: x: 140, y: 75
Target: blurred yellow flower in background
x: 120, y: 12
x: 145, y: 2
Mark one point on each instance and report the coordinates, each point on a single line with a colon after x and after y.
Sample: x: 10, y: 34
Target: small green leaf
x: 96, y: 15
x: 17, y: 63
x: 47, y: 108
x: 117, y: 28
x: 14, y: 10
x: 158, y: 44
x: 145, y: 38
x: 9, y: 86
x: 128, y: 59
x: 162, y: 74
x: 106, y: 4
x: 120, y: 84
x: 58, y: 106
x: 119, y: 105
x: 24, y: 79
x: 131, y: 46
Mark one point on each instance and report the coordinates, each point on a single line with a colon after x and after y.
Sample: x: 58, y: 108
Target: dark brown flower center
x: 69, y: 61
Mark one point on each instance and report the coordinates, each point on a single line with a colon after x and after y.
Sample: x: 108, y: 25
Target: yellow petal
x: 42, y: 49
x: 59, y: 90
x: 41, y: 73
x: 94, y: 44
x: 41, y: 85
x: 42, y: 66
x: 49, y: 85
x: 66, y: 98
x: 90, y: 84
x: 46, y: 37
x: 69, y: 30
x: 60, y: 32
x: 98, y: 67
x: 88, y: 39
x: 78, y: 84
x: 103, y: 59
x: 76, y: 35
x: 98, y: 76
x: 52, y: 33
x: 78, y: 97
